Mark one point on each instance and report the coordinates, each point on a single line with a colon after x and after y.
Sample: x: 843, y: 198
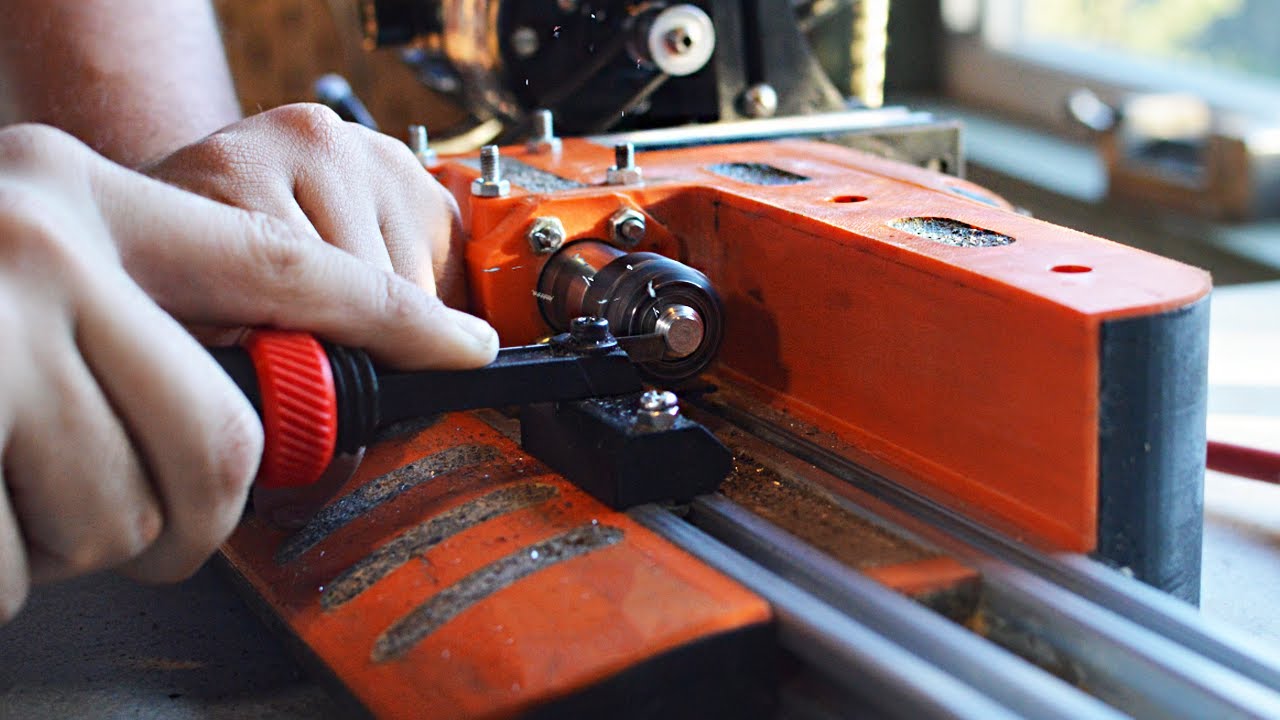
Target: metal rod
x: 770, y: 128
x: 895, y: 682
x: 1143, y: 605
x: 1003, y: 676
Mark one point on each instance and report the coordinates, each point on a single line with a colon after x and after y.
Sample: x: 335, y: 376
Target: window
x: 1024, y: 56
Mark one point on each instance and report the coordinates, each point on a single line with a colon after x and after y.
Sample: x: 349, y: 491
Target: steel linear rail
x: 986, y: 667
x: 1143, y: 606
x: 896, y: 682
x: 1137, y: 671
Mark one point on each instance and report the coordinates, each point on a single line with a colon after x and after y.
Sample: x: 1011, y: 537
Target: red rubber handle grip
x: 299, y: 407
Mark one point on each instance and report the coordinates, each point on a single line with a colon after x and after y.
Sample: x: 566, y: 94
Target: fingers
x: 347, y: 219
x: 359, y: 190
x: 75, y: 492
x: 200, y: 438
x: 207, y: 263
x: 73, y: 476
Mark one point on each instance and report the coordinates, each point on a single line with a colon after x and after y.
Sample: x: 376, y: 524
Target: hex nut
x: 627, y: 227
x: 624, y: 176
x: 546, y: 234
x: 490, y: 188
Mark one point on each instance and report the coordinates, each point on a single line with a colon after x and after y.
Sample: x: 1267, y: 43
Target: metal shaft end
x: 682, y: 328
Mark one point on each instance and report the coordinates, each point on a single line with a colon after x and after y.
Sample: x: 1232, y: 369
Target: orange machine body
x: 969, y: 373
x: 455, y: 576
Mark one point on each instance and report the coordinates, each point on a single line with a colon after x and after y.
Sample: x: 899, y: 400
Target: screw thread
x: 624, y: 156
x: 418, y: 138
x: 490, y: 170
x: 543, y: 125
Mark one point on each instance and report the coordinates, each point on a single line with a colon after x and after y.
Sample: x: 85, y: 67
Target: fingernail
x: 484, y: 334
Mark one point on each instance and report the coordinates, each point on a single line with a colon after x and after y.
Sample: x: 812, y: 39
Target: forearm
x: 135, y: 79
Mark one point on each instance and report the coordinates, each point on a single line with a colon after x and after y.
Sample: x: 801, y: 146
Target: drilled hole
x: 1072, y: 269
x: 848, y: 199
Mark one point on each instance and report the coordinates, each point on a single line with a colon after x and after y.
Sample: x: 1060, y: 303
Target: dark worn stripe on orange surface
x: 416, y: 541
x: 379, y: 491
x: 457, y: 598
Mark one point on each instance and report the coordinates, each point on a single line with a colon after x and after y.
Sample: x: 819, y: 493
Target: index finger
x: 209, y: 263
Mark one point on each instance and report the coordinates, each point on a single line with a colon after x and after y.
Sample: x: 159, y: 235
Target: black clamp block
x: 626, y: 453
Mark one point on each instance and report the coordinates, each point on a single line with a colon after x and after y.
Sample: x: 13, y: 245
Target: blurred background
x: 1152, y: 122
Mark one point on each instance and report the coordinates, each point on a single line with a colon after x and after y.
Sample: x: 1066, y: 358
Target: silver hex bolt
x: 421, y: 147
x: 543, y: 137
x: 658, y: 409
x: 490, y: 183
x: 624, y: 170
x: 627, y: 227
x: 546, y: 234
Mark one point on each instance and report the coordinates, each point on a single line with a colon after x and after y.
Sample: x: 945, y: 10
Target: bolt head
x: 548, y: 145
x: 589, y: 329
x: 627, y: 227
x: 658, y: 409
x: 759, y: 101
x: 546, y: 234
x: 489, y: 188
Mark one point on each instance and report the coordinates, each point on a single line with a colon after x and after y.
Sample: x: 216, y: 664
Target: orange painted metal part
x: 967, y: 373
x: 379, y: 587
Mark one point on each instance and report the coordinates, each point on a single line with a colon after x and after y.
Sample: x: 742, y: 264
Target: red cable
x: 1243, y: 461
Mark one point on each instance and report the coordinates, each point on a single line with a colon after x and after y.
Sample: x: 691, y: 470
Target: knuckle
x: 278, y: 250
x: 35, y: 147
x: 234, y: 449
x: 316, y: 125
x: 86, y: 556
x: 402, y: 304
x: 221, y: 153
x: 35, y: 241
x: 147, y: 524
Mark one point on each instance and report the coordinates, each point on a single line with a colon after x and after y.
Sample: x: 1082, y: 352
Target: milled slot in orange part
x: 472, y: 582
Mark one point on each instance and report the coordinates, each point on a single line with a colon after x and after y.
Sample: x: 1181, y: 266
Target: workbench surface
x: 105, y: 647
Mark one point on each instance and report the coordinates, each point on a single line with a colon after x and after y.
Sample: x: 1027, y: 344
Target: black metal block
x: 605, y: 447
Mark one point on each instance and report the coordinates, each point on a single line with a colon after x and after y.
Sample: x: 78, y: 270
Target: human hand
x: 122, y: 443
x: 354, y: 188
